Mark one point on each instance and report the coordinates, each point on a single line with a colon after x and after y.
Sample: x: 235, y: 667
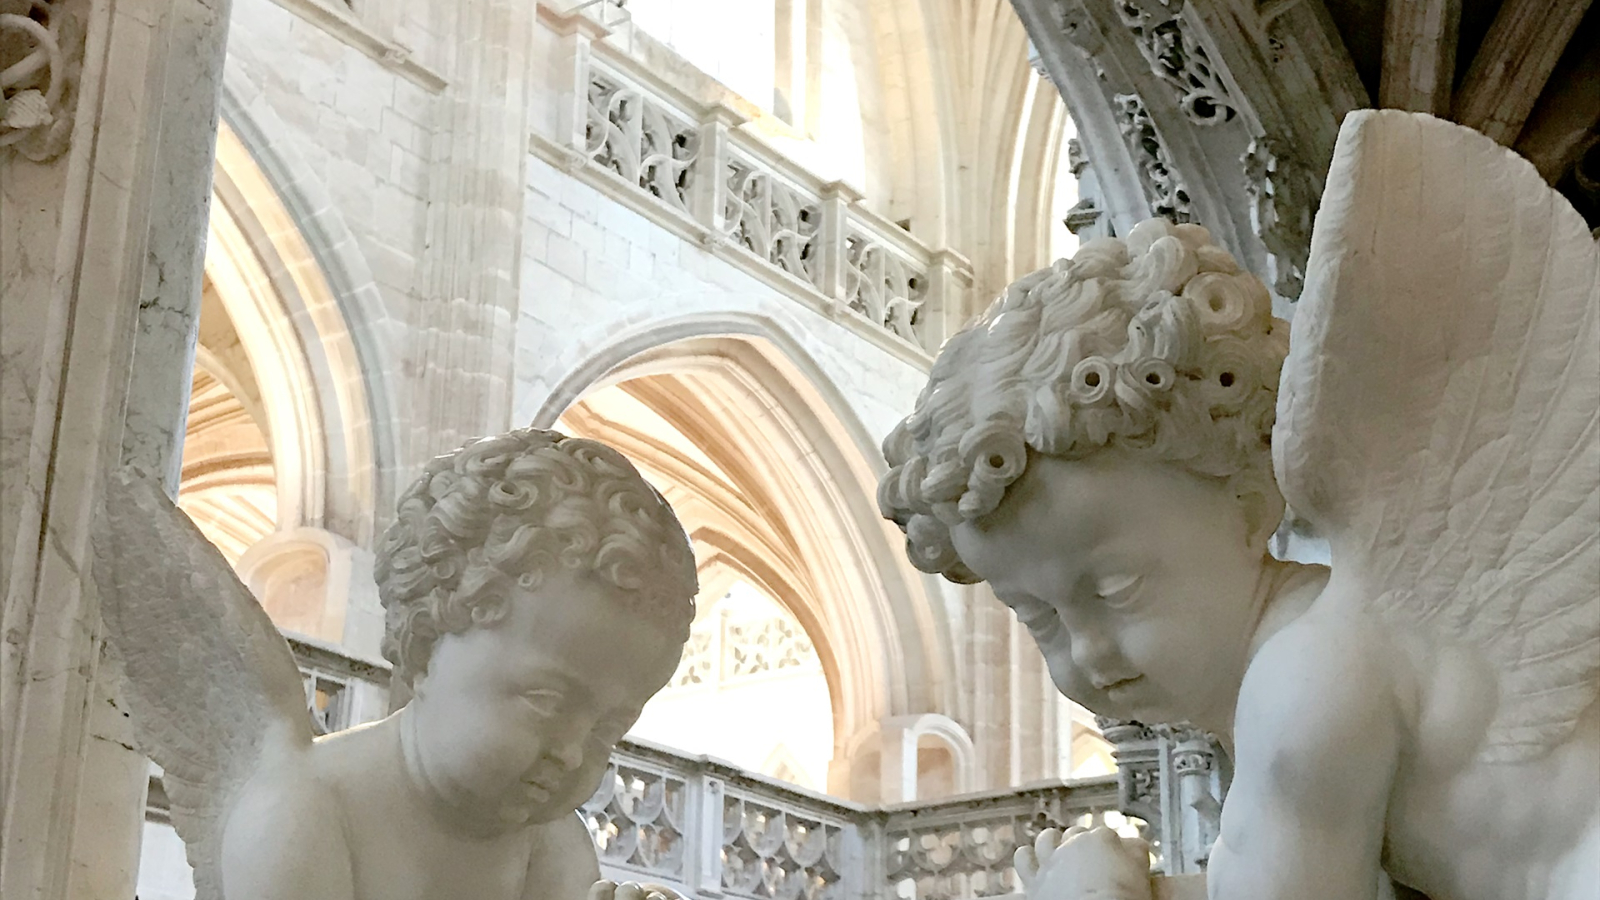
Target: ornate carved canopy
x: 1225, y: 111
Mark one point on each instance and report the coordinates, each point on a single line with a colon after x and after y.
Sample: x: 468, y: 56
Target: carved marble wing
x: 212, y: 686
x: 1437, y: 418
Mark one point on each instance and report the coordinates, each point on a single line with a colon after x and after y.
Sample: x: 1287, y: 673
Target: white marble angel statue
x: 537, y: 592
x: 1100, y: 448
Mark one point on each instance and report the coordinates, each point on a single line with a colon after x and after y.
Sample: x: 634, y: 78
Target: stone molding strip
x: 350, y: 31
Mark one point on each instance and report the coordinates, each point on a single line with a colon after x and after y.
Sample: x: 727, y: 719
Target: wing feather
x: 1439, y: 416
x: 212, y: 685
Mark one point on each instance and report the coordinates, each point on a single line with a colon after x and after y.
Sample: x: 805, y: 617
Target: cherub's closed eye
x: 1118, y: 590
x: 544, y: 702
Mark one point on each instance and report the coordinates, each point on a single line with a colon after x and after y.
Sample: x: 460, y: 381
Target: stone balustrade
x: 709, y: 829
x: 962, y: 847
x: 690, y: 167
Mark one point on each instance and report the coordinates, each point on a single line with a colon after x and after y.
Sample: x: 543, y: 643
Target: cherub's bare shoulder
x: 346, y: 755
x: 285, y: 837
x: 563, y: 863
x: 1327, y: 674
x: 1327, y: 658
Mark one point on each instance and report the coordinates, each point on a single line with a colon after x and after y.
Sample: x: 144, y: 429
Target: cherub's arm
x: 286, y: 841
x: 1317, y: 740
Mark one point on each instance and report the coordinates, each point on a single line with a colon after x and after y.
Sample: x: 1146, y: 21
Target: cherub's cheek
x: 1072, y: 680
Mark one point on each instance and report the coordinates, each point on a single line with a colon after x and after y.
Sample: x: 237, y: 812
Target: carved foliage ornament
x: 1282, y: 202
x: 1168, y: 197
x: 1177, y: 58
x: 723, y: 651
x: 40, y: 51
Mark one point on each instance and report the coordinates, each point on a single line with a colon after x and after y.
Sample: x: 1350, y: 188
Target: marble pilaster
x: 101, y: 250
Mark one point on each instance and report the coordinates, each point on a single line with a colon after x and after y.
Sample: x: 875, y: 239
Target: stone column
x: 464, y: 329
x: 1174, y: 778
x: 106, y: 149
x: 950, y: 301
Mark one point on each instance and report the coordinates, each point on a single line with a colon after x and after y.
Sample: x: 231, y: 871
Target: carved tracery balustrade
x: 884, y: 286
x: 769, y: 852
x: 711, y: 830
x: 773, y: 220
x: 701, y: 173
x: 637, y: 818
x: 962, y: 848
x: 640, y: 138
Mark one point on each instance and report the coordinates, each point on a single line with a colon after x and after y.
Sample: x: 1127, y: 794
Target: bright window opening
x: 749, y: 690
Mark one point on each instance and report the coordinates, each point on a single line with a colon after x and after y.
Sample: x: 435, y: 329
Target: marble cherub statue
x: 537, y: 592
x: 1110, y: 448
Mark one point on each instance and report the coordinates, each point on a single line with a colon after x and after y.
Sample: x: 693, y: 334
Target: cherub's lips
x: 1120, y: 684
x: 540, y: 786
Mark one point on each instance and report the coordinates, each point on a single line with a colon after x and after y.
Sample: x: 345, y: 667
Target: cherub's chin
x: 515, y: 814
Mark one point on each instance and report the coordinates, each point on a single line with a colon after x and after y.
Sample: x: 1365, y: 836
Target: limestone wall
x: 363, y: 128
x: 594, y: 271
x: 355, y: 119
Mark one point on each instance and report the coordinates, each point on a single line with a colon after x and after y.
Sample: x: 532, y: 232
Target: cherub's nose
x: 569, y: 754
x: 1096, y: 653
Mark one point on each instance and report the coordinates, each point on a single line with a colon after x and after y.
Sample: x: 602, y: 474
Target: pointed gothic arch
x: 780, y: 487
x: 301, y: 364
x: 318, y: 293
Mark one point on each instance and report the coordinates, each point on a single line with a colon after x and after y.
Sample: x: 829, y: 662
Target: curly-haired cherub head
x: 508, y: 512
x: 1157, y: 345
x: 537, y: 593
x: 1096, y: 449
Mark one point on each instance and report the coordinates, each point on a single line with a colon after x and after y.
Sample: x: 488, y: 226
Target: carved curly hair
x: 1158, y: 345
x: 504, y: 512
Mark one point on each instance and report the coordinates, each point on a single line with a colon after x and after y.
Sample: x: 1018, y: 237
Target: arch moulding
x: 885, y: 652
x: 329, y: 327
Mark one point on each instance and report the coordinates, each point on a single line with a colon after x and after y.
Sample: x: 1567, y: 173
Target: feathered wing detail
x: 212, y: 686
x: 1437, y: 417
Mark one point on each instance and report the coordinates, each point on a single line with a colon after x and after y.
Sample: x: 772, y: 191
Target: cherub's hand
x: 631, y: 890
x: 1085, y: 864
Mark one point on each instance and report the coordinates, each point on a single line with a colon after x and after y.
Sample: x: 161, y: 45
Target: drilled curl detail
x: 1158, y: 345
x: 504, y: 512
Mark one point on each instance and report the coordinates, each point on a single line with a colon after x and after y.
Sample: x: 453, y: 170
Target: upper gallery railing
x: 688, y: 166
x: 961, y: 847
x: 710, y: 829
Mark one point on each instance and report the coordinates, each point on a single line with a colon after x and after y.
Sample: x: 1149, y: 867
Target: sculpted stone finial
x: 537, y: 592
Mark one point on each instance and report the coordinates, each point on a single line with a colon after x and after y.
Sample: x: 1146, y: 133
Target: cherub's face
x: 514, y: 723
x: 1136, y: 579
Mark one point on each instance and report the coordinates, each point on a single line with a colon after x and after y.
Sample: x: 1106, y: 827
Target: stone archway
x: 773, y: 484
x: 283, y: 434
x: 330, y: 299
x: 320, y: 397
